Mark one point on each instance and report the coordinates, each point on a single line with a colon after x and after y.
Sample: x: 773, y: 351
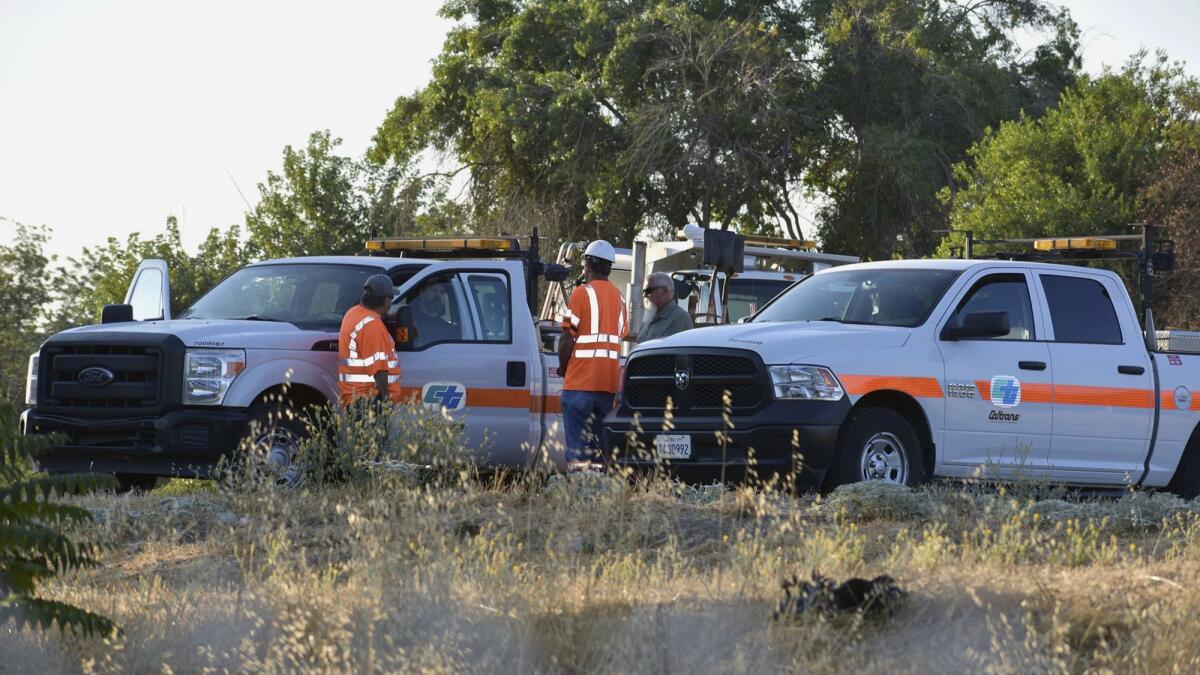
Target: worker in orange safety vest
x: 589, y: 358
x: 367, y: 362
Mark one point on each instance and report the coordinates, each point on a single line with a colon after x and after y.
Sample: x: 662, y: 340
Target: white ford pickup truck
x: 902, y: 371
x: 149, y: 394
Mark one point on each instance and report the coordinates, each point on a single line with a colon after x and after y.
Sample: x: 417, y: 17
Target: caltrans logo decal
x: 1006, y: 391
x: 449, y: 395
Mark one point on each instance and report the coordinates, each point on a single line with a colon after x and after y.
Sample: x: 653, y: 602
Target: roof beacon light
x: 380, y: 244
x: 1076, y: 244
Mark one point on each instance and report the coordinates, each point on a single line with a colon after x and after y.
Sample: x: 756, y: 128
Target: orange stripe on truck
x: 1073, y: 394
x: 918, y: 387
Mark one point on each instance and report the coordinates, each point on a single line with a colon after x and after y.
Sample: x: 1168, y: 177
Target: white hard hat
x: 601, y: 249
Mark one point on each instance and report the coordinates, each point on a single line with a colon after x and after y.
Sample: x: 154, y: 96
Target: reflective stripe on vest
x: 365, y: 379
x: 353, y: 345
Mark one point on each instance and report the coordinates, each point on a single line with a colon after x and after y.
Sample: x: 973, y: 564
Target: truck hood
x: 779, y: 342
x: 221, y: 333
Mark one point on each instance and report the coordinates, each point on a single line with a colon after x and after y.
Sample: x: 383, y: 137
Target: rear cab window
x: 1081, y: 310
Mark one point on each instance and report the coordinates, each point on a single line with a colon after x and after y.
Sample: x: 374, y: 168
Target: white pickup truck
x: 907, y: 370
x: 149, y: 394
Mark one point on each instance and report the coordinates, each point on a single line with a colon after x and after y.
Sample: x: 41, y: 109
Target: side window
x: 1081, y: 310
x: 1002, y: 293
x: 439, y: 311
x: 490, y: 294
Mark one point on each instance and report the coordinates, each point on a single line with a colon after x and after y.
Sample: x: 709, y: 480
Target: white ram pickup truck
x: 148, y: 394
x: 907, y: 370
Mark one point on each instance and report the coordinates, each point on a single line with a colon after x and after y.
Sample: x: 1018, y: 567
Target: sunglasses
x: 646, y: 293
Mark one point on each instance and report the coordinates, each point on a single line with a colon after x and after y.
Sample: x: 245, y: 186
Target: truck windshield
x: 880, y: 296
x: 311, y: 296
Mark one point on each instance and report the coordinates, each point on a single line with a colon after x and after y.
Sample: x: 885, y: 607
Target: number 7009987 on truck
x: 905, y: 370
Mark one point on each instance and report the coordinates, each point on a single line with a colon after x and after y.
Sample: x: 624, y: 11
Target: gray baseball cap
x: 379, y: 284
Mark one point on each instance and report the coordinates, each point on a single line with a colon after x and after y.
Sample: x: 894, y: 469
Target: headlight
x: 207, y: 374
x: 805, y: 382
x: 31, y: 380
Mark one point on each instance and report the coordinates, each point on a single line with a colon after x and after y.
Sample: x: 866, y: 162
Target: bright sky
x: 114, y: 115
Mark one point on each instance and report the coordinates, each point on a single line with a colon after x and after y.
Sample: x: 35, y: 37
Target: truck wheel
x: 277, y: 432
x: 878, y: 444
x: 134, y: 482
x: 1186, y: 481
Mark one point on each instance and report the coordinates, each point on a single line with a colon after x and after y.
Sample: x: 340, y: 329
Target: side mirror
x: 116, y: 314
x: 746, y: 319
x: 405, y: 331
x: 978, y: 325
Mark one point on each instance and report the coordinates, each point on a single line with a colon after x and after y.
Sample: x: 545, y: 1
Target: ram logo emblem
x: 682, y: 378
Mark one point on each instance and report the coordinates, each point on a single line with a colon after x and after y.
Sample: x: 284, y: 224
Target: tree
x: 605, y: 117
x: 1085, y: 166
x: 599, y: 118
x: 1172, y: 200
x: 314, y: 207
x: 906, y: 87
x: 25, y: 292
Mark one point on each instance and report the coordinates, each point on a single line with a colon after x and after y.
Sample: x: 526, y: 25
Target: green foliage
x: 605, y: 117
x: 25, y: 291
x: 313, y: 207
x: 906, y: 87
x: 1084, y: 167
x: 33, y: 547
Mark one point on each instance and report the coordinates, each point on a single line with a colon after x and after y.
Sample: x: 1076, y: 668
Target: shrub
x: 32, y: 546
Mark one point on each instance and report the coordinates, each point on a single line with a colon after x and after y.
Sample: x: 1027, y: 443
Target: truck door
x: 150, y: 291
x: 468, y: 357
x: 998, y: 406
x: 1103, y: 385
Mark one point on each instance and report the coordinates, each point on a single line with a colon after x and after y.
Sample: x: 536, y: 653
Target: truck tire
x: 1186, y: 481
x: 276, y: 432
x: 135, y: 482
x: 878, y: 444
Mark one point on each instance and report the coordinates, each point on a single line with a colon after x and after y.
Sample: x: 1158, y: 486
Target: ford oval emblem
x: 682, y: 378
x: 95, y: 377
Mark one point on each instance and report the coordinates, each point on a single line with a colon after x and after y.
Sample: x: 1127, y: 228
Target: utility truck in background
x: 712, y: 296
x: 149, y: 393
x: 998, y: 366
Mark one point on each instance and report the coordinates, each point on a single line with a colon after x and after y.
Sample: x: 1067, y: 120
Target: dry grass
x: 539, y: 575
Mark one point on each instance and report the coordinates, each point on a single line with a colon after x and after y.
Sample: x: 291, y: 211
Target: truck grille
x: 124, y: 377
x: 650, y: 380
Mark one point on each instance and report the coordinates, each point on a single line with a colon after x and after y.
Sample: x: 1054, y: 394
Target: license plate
x: 673, y: 446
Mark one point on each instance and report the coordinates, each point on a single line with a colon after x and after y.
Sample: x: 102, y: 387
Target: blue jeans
x: 583, y: 411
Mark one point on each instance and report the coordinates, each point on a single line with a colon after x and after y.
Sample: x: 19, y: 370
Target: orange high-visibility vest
x: 365, y: 348
x: 595, y: 316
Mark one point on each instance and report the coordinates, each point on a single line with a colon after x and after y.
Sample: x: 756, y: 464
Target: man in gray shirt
x: 669, y: 318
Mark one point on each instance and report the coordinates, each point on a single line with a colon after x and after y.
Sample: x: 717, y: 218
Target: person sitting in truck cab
x: 367, y: 361
x: 429, y: 316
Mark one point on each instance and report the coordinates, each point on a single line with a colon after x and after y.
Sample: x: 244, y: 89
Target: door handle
x: 1032, y: 365
x: 1130, y: 370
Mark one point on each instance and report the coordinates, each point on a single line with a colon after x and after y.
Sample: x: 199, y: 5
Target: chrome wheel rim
x: 884, y: 459
x: 280, y: 450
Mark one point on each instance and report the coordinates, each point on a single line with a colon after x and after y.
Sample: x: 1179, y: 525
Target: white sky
x: 114, y: 115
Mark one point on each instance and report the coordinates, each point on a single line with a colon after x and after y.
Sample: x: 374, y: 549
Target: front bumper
x: 776, y: 436
x: 185, y: 443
